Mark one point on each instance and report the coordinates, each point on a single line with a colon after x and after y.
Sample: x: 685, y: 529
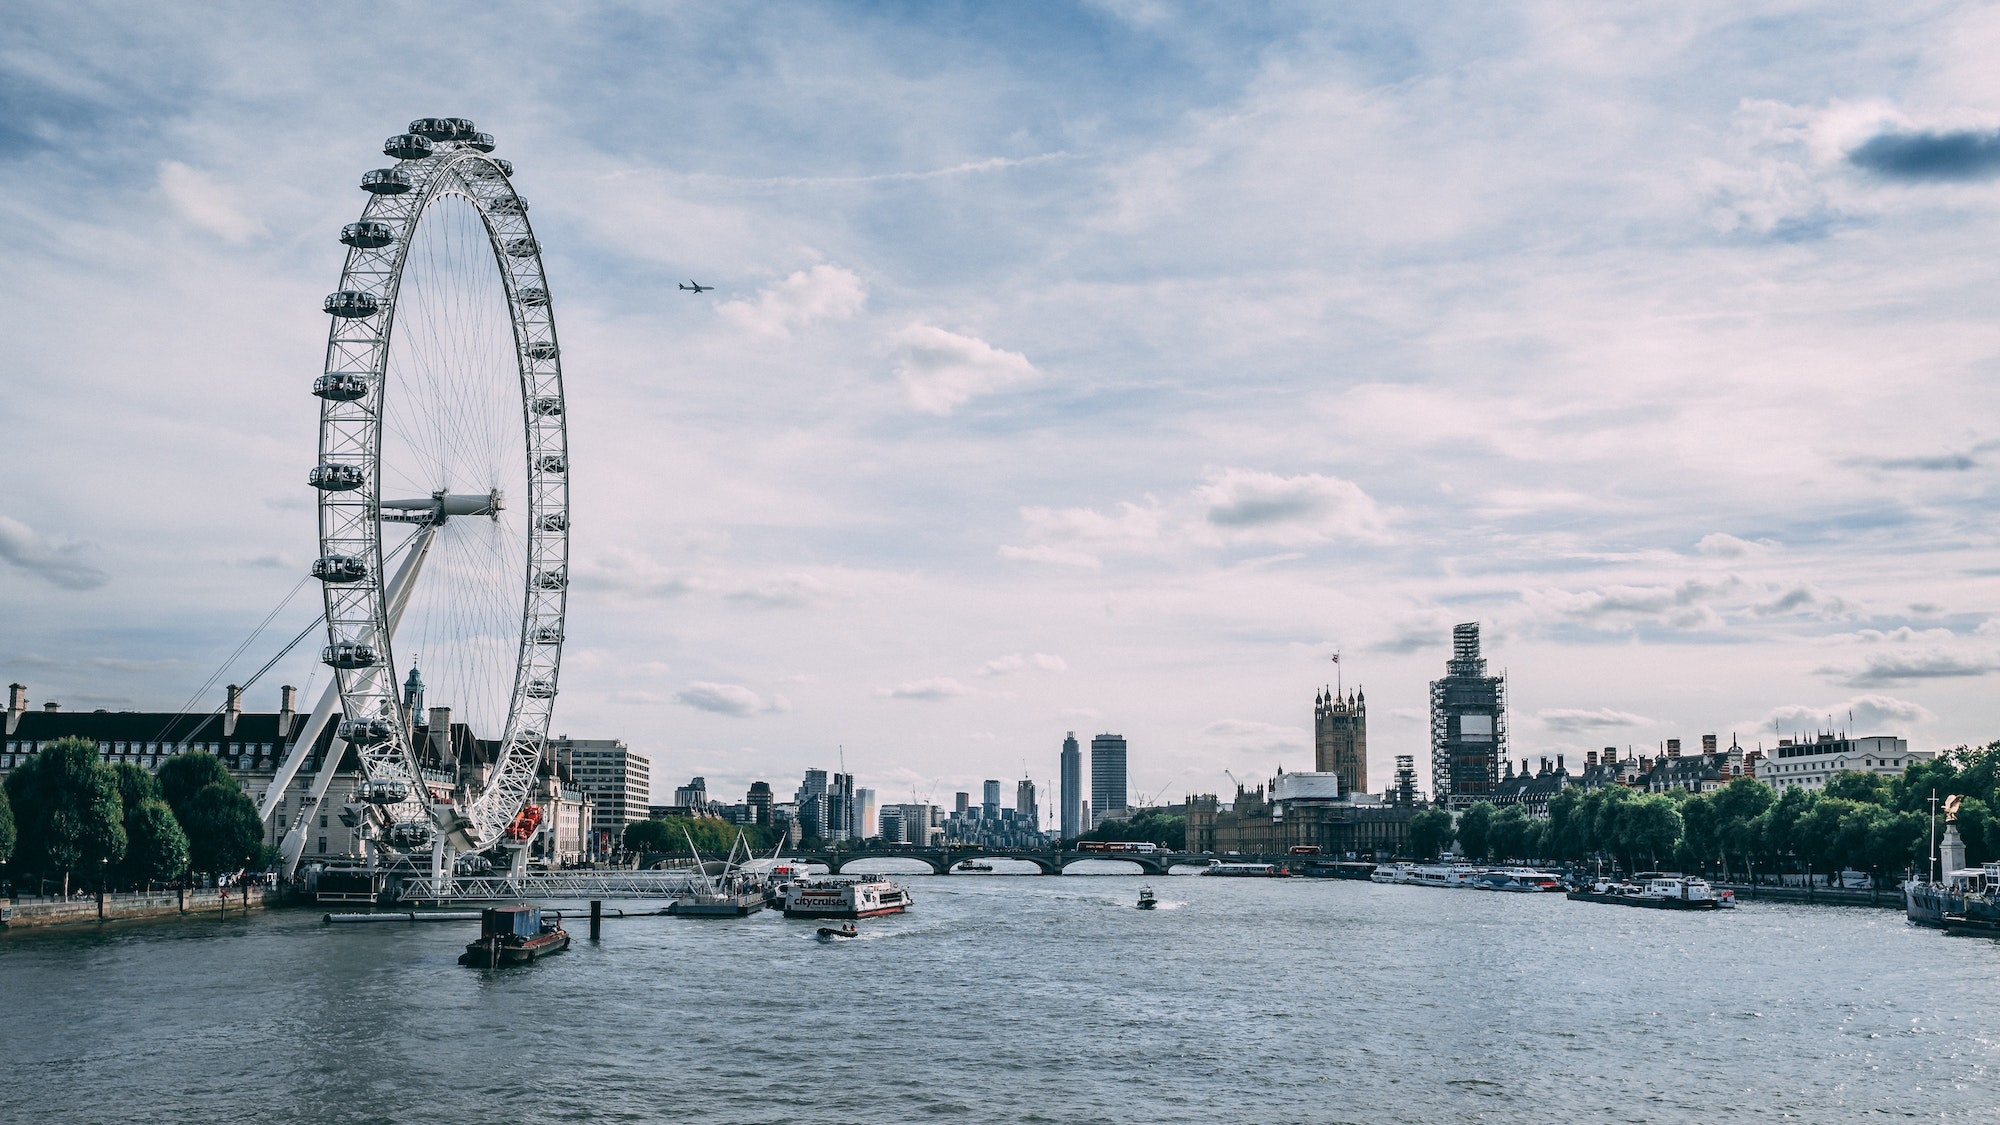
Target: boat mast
x: 1933, y: 834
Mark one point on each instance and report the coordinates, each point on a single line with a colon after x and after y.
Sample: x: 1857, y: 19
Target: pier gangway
x: 539, y: 885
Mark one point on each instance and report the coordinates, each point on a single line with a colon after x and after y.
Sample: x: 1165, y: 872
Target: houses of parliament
x: 1340, y: 738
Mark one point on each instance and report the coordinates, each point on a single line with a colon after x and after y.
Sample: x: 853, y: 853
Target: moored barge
x: 513, y: 935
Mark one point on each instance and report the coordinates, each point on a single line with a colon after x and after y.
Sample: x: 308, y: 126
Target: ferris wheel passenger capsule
x: 506, y: 166
x: 351, y: 304
x: 479, y: 142
x: 540, y: 688
x: 553, y: 463
x: 336, y: 477
x: 368, y: 234
x: 386, y: 181
x: 348, y: 655
x: 341, y: 386
x: 384, y: 790
x: 409, y: 835
x: 555, y: 521
x: 535, y: 298
x: 339, y: 569
x: 364, y: 732
x: 553, y: 580
x: 548, y: 406
x: 407, y: 146
x: 540, y: 349
x: 442, y: 128
x: 521, y: 248
x: 509, y: 205
x: 549, y: 635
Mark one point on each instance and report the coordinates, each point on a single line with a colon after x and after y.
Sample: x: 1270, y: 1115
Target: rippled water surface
x: 1028, y: 999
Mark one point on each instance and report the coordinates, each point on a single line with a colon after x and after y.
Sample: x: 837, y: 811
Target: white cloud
x: 934, y: 689
x: 1718, y: 545
x: 941, y: 371
x: 1053, y: 556
x: 821, y: 293
x: 1603, y: 718
x: 1251, y: 505
x: 208, y: 203
x: 728, y: 699
x: 63, y: 564
x: 1901, y: 666
x: 1870, y: 714
x: 1017, y: 662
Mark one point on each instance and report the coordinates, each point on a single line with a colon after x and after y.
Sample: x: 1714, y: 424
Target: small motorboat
x: 835, y: 933
x: 513, y: 935
x: 1146, y: 899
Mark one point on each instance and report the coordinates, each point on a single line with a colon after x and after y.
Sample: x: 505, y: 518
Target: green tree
x: 1648, y: 826
x: 156, y: 850
x: 6, y: 827
x: 1566, y: 832
x: 188, y: 773
x: 651, y: 836
x: 1816, y: 836
x: 1148, y: 824
x: 1737, y: 806
x: 135, y: 788
x: 1853, y: 785
x: 223, y: 831
x: 713, y: 838
x: 1897, y: 842
x: 1430, y: 833
x: 1701, y: 837
x: 68, y: 817
x: 1515, y: 834
x: 1475, y: 831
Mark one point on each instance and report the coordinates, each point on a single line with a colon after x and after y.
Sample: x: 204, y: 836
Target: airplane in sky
x: 694, y: 286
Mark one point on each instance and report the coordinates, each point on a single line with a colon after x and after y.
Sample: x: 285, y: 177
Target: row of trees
x: 1859, y: 822
x: 712, y: 838
x: 65, y: 813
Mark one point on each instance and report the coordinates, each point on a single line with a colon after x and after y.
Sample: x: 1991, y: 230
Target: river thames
x: 1029, y: 999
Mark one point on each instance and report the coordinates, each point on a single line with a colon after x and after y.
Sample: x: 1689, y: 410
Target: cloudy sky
x: 1099, y: 367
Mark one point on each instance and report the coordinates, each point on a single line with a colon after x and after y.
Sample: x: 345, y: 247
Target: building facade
x: 1340, y: 738
x: 1296, y: 813
x: 1811, y: 763
x: 1025, y: 806
x: 1072, y: 818
x: 1468, y: 724
x: 617, y: 779
x: 1109, y: 799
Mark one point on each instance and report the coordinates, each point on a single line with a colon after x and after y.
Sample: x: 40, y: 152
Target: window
x: 322, y: 845
x: 322, y: 820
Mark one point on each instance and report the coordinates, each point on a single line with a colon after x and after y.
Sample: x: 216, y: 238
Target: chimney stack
x: 288, y: 709
x: 51, y: 706
x: 1708, y: 744
x: 17, y: 705
x: 232, y: 712
x: 1559, y: 763
x: 1590, y: 759
x: 1673, y: 748
x: 1645, y: 764
x: 439, y: 731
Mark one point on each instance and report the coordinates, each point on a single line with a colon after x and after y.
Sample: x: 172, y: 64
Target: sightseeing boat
x: 1392, y: 873
x: 1660, y: 891
x: 513, y: 935
x: 836, y: 896
x: 1516, y: 880
x: 1966, y: 900
x: 1246, y: 870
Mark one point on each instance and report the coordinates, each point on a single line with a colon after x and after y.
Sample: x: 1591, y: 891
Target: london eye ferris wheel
x: 443, y: 490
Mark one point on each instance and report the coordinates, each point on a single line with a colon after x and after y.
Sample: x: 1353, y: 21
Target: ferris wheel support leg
x: 441, y: 868
x: 294, y: 844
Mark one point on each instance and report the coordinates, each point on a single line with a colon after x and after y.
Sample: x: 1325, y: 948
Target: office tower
x: 1108, y: 799
x: 964, y: 802
x: 1468, y: 724
x: 1025, y: 808
x: 1340, y: 738
x: 865, y: 826
x: 1072, y: 789
x: 812, y: 802
x: 759, y: 800
x: 989, y: 803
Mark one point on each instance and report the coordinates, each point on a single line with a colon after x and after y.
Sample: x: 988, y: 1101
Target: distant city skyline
x: 1104, y: 367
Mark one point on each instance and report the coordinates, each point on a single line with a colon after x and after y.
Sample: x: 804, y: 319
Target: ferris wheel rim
x: 438, y: 159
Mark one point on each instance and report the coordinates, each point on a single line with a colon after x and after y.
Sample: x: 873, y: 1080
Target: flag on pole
x: 1336, y: 658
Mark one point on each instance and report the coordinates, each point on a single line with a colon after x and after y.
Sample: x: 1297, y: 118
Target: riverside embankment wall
x: 123, y: 907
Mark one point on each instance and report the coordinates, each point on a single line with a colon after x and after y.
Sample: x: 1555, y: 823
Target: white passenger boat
x: 844, y: 896
x: 1392, y: 873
